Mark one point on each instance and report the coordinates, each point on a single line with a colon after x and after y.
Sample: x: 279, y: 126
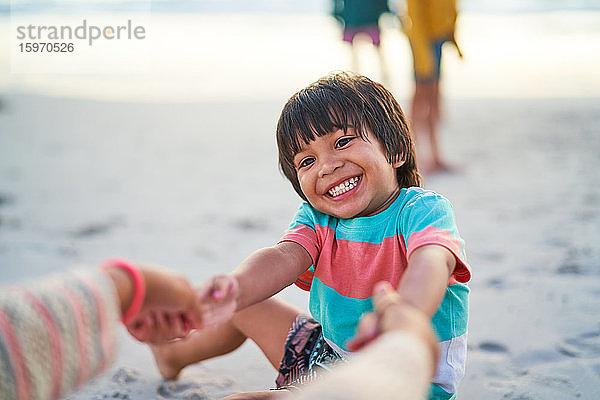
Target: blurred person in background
x: 429, y: 24
x: 361, y: 17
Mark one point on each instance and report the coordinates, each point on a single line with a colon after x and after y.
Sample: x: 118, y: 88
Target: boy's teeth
x: 343, y: 187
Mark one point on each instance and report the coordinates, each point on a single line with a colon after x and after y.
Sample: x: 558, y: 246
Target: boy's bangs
x: 317, y: 117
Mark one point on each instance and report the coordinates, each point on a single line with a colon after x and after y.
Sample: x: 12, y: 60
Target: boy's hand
x: 218, y: 299
x: 392, y: 313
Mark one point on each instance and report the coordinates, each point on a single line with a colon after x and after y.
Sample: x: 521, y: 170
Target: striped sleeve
x: 427, y: 219
x: 303, y: 230
x: 56, y: 335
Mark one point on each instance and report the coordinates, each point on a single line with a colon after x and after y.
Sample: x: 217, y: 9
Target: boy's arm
x: 263, y: 274
x: 424, y: 283
x: 267, y: 271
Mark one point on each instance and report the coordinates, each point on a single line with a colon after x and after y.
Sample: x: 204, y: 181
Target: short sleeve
x: 428, y: 219
x: 303, y: 230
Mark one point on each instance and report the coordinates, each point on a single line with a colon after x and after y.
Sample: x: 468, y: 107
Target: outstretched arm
x: 398, y: 361
x: 268, y: 271
x: 48, y: 328
x: 424, y: 283
x: 264, y: 273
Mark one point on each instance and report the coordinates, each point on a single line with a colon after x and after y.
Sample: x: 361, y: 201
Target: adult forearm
x: 46, y: 329
x: 123, y: 285
x: 395, y: 367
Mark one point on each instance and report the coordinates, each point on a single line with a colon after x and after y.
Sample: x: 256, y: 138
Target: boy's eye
x: 306, y: 162
x: 343, y: 141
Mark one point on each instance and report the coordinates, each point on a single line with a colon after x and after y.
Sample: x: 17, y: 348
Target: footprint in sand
x: 570, y: 268
x: 181, y: 390
x: 126, y: 375
x: 115, y: 396
x: 586, y: 345
x: 5, y: 199
x: 98, y: 228
x: 496, y: 283
x: 248, y: 224
x: 493, y: 347
x: 516, y: 396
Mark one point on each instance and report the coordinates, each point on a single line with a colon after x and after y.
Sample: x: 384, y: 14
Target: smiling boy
x: 345, y: 146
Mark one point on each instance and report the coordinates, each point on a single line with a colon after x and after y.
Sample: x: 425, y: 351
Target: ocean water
x: 278, y: 7
x: 231, y: 49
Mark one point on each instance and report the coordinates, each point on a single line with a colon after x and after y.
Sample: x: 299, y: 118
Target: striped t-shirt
x: 351, y: 255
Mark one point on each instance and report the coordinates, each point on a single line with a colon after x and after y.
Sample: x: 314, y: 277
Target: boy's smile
x: 345, y: 176
x: 343, y: 188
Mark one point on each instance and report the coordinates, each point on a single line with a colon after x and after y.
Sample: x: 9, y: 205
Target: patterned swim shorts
x: 307, y: 355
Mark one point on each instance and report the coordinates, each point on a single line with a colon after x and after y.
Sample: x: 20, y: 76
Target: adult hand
x: 392, y: 313
x: 170, y: 309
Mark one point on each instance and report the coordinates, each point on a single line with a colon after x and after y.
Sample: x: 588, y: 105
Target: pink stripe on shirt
x: 301, y: 234
x: 440, y: 237
x: 351, y: 268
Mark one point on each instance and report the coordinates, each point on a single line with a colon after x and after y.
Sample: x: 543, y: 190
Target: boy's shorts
x: 306, y: 356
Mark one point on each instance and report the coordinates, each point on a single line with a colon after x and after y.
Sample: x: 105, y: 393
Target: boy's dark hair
x: 339, y: 101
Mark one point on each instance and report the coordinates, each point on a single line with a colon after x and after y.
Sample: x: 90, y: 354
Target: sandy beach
x: 189, y: 180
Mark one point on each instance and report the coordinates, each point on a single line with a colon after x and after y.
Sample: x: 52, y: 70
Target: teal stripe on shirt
x: 437, y: 393
x: 450, y: 319
x: 428, y: 209
x: 341, y: 313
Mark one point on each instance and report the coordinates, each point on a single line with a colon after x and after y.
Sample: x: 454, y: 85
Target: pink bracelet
x: 139, y: 287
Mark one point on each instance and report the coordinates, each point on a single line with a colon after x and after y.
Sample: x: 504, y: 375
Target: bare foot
x: 441, y: 167
x: 165, y: 363
x: 444, y: 167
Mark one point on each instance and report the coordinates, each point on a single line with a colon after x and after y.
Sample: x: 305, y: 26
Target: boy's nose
x: 329, y: 165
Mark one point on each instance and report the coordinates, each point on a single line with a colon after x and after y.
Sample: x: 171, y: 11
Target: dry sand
x: 193, y: 188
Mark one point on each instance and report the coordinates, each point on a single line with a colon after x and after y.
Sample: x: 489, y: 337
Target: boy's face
x: 344, y: 176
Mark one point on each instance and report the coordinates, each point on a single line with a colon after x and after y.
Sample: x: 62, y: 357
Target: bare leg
x: 355, y: 61
x: 425, y: 115
x: 432, y: 124
x: 262, y: 395
x: 436, y: 113
x: 266, y: 323
x: 171, y: 358
x: 433, y: 120
x: 419, y: 109
x: 385, y: 77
